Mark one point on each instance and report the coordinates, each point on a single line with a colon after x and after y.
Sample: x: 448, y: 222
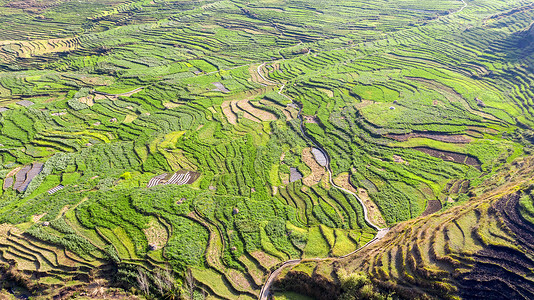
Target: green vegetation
x: 415, y: 102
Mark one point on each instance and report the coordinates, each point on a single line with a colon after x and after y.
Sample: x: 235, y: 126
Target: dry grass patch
x: 374, y: 212
x: 265, y: 259
x: 36, y: 218
x: 364, y: 103
x: 170, y: 105
x: 156, y: 234
x: 258, y: 113
x: 329, y: 93
x: 228, y: 113
x: 89, y: 100
x: 317, y: 171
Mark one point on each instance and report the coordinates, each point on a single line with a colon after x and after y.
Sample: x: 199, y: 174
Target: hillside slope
x: 480, y: 249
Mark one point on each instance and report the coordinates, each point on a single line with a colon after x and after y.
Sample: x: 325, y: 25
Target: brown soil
x: 87, y: 100
x: 432, y: 207
x: 254, y: 77
x: 228, y: 113
x: 289, y: 112
x: 310, y: 119
x: 194, y: 177
x: 374, y: 212
x: 317, y: 171
x: 399, y: 160
x: 99, y: 97
x: 32, y: 6
x: 253, y: 113
x: 456, y: 139
x: 239, y: 279
x: 450, y: 156
x: 13, y: 172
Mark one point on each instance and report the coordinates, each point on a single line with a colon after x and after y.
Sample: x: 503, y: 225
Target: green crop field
x: 187, y: 149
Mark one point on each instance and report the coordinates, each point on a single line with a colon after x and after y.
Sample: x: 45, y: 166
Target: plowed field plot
x: 20, y: 178
x: 253, y: 112
x: 178, y: 178
x: 432, y: 207
x: 457, y: 139
x: 451, y: 156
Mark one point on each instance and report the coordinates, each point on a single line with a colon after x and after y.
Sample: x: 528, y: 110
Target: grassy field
x: 107, y: 105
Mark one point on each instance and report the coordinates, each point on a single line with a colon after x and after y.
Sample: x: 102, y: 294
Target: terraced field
x: 190, y: 148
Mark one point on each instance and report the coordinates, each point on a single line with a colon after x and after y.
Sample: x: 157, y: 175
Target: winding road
x: 381, y: 232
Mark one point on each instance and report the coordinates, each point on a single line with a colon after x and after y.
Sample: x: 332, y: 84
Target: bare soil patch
x: 228, y: 113
x: 456, y: 139
x: 232, y: 108
x: 259, y: 113
x: 317, y: 171
x: 432, y: 207
x: 451, y: 156
x: 310, y: 119
x: 89, y: 100
x: 239, y: 279
x: 36, y: 218
x: 254, y: 77
x: 265, y: 259
x: 372, y: 208
x: 398, y: 159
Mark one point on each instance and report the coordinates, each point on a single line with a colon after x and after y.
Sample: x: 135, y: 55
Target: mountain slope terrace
x: 480, y: 249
